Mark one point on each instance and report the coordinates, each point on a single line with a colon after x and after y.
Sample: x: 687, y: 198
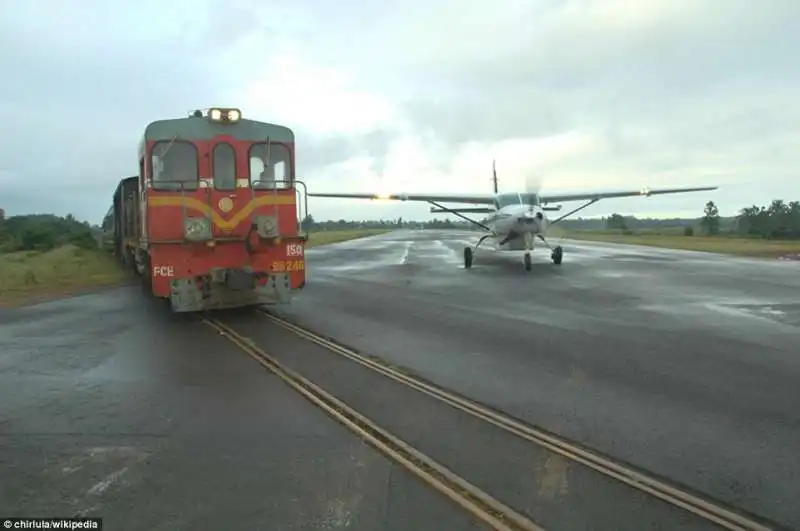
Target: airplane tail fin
x: 494, y: 176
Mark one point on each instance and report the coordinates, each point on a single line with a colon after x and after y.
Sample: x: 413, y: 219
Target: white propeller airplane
x: 515, y: 219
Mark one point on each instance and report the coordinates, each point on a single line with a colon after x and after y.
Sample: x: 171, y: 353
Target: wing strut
x: 588, y: 204
x: 451, y: 211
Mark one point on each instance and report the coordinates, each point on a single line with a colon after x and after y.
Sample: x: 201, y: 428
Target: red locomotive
x: 211, y: 220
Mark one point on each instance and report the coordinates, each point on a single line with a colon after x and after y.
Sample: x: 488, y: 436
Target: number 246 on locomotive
x: 211, y: 219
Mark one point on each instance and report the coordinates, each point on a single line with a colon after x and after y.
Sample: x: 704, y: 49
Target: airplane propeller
x: 533, y: 184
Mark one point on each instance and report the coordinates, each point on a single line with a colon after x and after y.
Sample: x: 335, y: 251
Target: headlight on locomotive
x: 197, y: 229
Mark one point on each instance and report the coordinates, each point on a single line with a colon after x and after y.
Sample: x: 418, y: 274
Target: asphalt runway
x: 111, y: 408
x: 682, y: 363
x: 556, y: 494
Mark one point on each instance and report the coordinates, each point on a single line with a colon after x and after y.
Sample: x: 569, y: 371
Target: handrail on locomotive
x: 302, y: 209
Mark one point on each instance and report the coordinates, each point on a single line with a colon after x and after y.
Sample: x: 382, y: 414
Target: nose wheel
x: 467, y: 257
x: 526, y: 261
x: 557, y: 255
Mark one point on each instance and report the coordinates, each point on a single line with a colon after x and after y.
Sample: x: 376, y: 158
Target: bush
x: 688, y: 231
x: 43, y: 232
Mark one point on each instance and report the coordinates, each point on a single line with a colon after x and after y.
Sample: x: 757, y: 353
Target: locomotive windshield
x: 174, y: 165
x: 277, y: 172
x: 224, y: 164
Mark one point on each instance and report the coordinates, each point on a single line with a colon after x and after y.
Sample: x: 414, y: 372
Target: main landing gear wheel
x: 467, y: 257
x: 557, y: 255
x: 526, y: 260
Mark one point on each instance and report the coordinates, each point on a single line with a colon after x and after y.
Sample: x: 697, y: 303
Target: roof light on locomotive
x: 218, y: 114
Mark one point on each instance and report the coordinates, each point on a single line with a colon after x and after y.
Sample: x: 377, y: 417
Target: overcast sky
x: 414, y: 96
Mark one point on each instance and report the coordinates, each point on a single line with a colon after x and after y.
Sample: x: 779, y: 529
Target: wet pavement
x: 682, y: 363
x: 552, y: 491
x: 111, y: 407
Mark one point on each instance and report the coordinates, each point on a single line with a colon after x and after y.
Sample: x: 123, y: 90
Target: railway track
x: 479, y: 503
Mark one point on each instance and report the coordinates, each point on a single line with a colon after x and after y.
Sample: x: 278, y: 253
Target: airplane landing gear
x: 557, y: 255
x: 469, y: 251
x: 527, y: 261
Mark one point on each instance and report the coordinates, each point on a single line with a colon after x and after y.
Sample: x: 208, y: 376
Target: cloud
x: 85, y: 81
x: 580, y: 93
x: 661, y: 92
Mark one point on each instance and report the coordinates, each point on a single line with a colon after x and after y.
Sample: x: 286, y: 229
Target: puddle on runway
x: 620, y: 274
x: 732, y: 315
x: 315, y: 269
x: 630, y: 257
x: 433, y: 254
x: 777, y: 312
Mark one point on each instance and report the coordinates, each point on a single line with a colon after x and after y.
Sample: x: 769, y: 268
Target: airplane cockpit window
x: 505, y: 200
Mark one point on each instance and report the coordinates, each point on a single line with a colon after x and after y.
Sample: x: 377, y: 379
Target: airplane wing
x: 588, y: 196
x: 474, y: 199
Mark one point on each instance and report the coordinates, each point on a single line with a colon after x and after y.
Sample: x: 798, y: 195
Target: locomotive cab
x: 219, y: 212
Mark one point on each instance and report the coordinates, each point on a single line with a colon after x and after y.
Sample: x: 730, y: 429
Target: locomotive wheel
x: 147, y: 281
x: 128, y: 259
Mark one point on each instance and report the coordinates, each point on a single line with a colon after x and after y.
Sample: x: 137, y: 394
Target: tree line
x: 778, y: 220
x: 43, y: 232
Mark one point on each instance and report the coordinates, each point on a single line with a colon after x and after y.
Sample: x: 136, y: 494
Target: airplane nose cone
x: 532, y: 219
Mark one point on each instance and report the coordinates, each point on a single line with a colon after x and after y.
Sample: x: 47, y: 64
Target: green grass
x: 674, y: 239
x: 30, y: 276
x: 324, y: 237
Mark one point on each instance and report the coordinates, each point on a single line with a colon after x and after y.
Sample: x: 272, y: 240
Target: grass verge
x: 324, y: 237
x: 31, y: 276
x: 712, y: 244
